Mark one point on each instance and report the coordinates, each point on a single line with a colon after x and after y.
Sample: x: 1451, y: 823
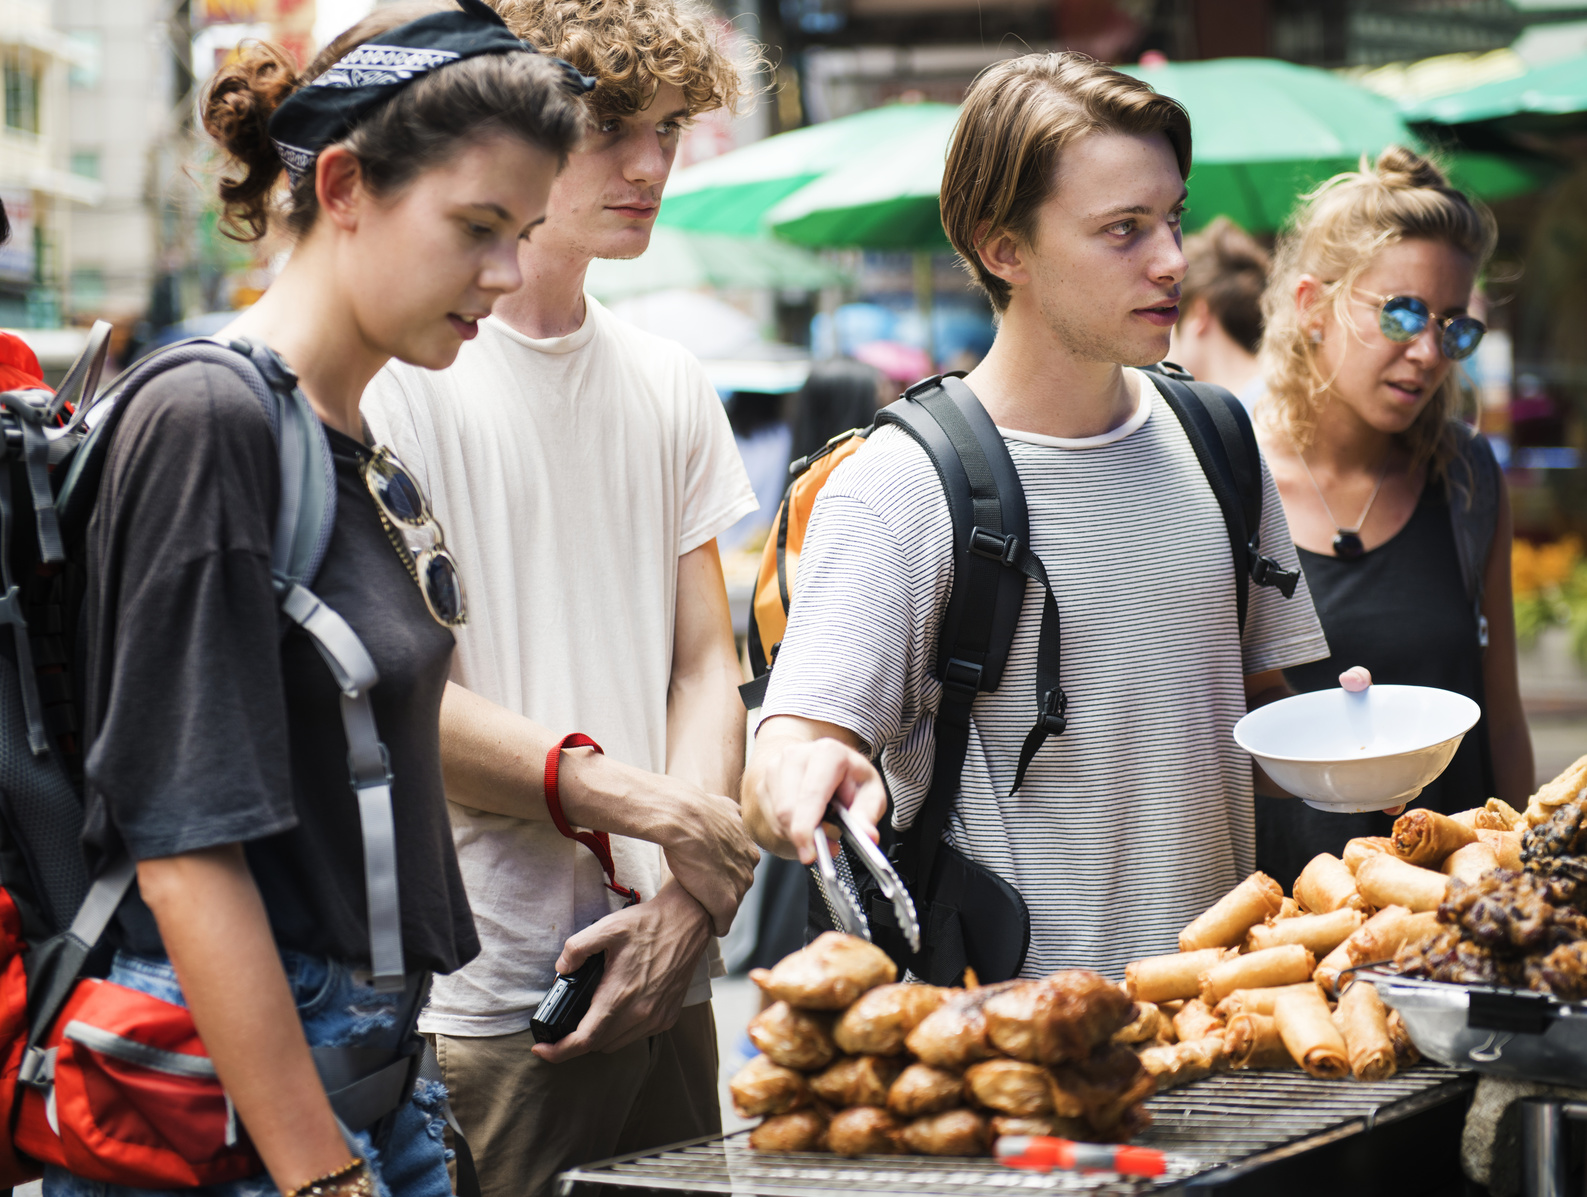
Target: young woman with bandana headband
x: 419, y: 149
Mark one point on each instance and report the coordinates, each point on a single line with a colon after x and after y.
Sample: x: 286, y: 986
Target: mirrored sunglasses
x: 1403, y: 318
x: 432, y: 566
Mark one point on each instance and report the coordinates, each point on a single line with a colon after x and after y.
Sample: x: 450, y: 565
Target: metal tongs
x: 879, y: 867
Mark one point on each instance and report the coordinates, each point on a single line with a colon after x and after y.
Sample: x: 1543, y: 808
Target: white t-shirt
x: 569, y: 474
x: 1139, y: 816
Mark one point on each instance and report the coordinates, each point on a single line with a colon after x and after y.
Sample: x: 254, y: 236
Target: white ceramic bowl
x: 1354, y: 752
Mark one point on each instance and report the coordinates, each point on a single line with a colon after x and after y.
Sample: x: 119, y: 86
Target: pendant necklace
x: 1347, y: 543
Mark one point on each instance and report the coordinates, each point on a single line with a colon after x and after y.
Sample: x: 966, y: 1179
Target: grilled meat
x: 1058, y: 1018
x: 793, y: 1038
x: 856, y: 1081
x: 922, y: 1089
x: 879, y: 1022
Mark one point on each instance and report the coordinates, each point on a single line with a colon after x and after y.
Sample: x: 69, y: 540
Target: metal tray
x: 1503, y: 1032
x: 1234, y: 1132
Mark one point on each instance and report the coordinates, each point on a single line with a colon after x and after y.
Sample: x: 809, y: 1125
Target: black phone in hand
x: 567, y: 1001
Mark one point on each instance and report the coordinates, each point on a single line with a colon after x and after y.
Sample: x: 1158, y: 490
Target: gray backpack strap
x: 1473, y: 486
x: 370, y: 767
x: 304, y: 521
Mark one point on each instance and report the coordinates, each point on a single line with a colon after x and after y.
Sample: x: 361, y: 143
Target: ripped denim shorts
x: 337, y: 1011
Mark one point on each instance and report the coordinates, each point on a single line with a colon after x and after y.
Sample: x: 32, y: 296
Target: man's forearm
x: 494, y: 760
x: 705, y: 726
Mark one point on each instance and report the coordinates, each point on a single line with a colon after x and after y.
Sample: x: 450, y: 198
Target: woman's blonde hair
x: 1335, y: 235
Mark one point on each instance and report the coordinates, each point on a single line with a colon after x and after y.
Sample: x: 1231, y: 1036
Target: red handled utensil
x: 1041, y: 1153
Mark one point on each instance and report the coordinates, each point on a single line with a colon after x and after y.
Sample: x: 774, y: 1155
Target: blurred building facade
x: 37, y: 184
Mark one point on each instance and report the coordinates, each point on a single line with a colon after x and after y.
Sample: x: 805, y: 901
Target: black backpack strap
x: 992, y: 561
x: 1473, y: 488
x: 1220, y: 432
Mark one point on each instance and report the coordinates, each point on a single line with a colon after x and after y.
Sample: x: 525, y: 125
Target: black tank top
x: 1401, y: 611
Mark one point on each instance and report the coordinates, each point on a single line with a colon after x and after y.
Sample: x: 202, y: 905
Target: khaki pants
x: 527, y: 1120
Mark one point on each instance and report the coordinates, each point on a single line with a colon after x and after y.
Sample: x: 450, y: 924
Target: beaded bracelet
x: 352, y: 1179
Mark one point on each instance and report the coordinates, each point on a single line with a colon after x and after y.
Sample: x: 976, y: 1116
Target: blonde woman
x: 1398, y: 510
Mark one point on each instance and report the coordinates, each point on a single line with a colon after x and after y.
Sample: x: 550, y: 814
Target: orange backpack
x: 774, y: 584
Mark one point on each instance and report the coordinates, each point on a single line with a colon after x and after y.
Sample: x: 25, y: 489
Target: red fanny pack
x: 120, y: 1090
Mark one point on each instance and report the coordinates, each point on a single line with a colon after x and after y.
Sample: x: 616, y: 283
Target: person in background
x: 216, y: 758
x: 1220, y: 309
x: 584, y: 469
x: 19, y: 365
x: 840, y: 394
x: 1383, y: 486
x: 762, y: 436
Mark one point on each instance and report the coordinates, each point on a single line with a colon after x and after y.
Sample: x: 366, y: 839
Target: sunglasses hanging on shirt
x: 405, y: 508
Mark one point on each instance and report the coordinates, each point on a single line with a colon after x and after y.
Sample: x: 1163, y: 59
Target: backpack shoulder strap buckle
x: 1002, y: 549
x: 961, y: 680
x: 1267, y: 572
x: 926, y: 384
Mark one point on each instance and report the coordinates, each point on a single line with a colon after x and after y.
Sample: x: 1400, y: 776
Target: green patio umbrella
x: 1266, y: 131
x: 734, y: 192
x: 1551, y: 95
x: 683, y: 259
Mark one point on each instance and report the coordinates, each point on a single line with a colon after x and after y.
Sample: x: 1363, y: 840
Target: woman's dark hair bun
x: 236, y: 111
x: 1399, y: 166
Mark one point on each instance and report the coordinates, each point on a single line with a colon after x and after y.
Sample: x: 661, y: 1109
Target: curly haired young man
x: 584, y: 469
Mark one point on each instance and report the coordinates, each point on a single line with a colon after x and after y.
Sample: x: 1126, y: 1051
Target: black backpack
x: 50, y: 473
x: 971, y: 917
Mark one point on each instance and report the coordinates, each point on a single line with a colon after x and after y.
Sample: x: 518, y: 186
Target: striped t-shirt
x: 1139, y: 816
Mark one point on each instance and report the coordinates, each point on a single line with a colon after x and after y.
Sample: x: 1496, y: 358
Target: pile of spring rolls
x: 856, y: 1064
x: 1255, y: 983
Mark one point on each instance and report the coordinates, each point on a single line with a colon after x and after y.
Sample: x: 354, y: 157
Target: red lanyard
x: 597, y: 842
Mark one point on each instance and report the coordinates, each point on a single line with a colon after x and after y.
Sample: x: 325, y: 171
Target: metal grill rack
x: 1228, y: 1124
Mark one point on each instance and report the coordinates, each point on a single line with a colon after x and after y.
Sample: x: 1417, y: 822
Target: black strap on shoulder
x: 992, y: 562
x: 1473, y: 490
x: 1220, y: 432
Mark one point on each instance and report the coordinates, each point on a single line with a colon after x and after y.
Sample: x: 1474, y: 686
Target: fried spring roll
x: 1318, y: 933
x: 1425, y: 837
x: 1364, y: 1021
x: 1471, y: 862
x: 1480, y: 818
x: 1310, y: 1035
x: 1506, y: 846
x: 1143, y: 1026
x: 1168, y: 978
x: 1195, y: 1021
x: 1288, y: 964
x: 1253, y: 1042
x: 1509, y: 818
x: 1362, y: 847
x: 1171, y: 1067
x: 1390, y: 881
x: 1325, y: 885
x: 1405, y: 1053
x: 1287, y: 909
x: 1225, y: 922
x: 1255, y: 1001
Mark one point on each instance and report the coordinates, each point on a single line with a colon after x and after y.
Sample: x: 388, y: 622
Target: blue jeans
x: 337, y: 1011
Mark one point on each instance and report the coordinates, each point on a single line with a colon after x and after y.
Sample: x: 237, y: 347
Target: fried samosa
x: 1060, y: 1017
x: 829, y: 974
x: 922, y: 1089
x: 793, y: 1038
x: 865, y: 1130
x: 957, y: 1132
x: 762, y: 1087
x: 881, y: 1020
x: 856, y: 1081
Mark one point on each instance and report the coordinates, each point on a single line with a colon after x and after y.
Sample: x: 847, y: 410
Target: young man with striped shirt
x: 1063, y: 194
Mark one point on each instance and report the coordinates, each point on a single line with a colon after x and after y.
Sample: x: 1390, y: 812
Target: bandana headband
x: 367, y: 76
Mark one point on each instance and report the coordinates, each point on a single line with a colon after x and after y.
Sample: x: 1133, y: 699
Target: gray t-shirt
x: 1139, y: 816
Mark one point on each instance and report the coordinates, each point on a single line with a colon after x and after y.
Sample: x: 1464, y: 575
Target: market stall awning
x: 1549, y: 93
